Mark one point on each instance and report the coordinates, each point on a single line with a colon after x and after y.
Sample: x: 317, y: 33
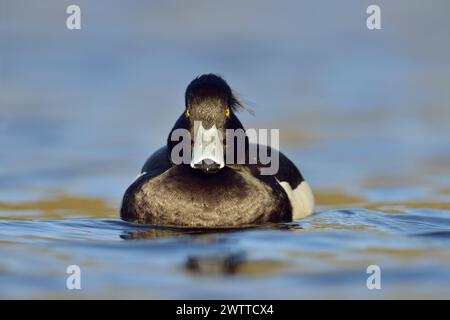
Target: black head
x: 210, y: 107
x: 209, y: 99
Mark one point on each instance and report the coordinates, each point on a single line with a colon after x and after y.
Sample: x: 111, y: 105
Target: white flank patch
x: 301, y: 199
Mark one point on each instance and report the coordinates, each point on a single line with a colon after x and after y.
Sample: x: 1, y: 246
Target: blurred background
x: 82, y: 109
x: 363, y: 113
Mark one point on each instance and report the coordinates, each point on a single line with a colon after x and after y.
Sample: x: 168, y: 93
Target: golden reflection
x: 329, y: 200
x: 335, y: 198
x: 261, y: 268
x: 59, y: 207
x: 408, y: 254
x: 384, y: 206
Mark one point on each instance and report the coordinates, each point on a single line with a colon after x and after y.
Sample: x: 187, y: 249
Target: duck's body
x: 218, y: 195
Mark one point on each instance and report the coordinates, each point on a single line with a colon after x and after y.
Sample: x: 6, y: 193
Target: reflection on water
x: 365, y: 115
x: 322, y: 256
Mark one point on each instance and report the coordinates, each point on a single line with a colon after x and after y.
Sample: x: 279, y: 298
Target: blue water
x: 325, y: 256
x: 364, y: 114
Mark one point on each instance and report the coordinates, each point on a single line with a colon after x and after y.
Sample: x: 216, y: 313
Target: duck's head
x: 210, y: 107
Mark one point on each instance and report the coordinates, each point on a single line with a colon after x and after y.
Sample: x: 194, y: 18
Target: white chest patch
x: 301, y: 199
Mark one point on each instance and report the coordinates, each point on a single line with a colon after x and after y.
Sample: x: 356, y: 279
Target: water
x: 365, y: 115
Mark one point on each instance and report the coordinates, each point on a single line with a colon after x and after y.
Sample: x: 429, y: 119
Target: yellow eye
x: 187, y: 113
x: 227, y: 113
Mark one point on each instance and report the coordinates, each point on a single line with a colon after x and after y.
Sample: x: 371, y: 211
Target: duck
x: 192, y: 186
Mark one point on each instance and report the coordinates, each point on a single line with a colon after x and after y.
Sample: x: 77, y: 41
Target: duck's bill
x: 207, y: 153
